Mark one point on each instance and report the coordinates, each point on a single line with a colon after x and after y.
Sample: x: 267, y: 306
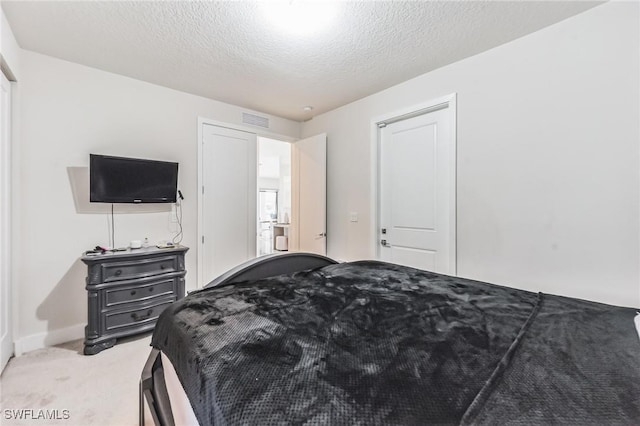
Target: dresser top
x: 132, y: 253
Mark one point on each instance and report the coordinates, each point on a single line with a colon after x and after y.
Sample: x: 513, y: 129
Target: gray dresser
x: 128, y: 290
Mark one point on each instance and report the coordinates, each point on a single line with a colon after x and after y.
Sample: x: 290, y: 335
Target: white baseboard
x: 48, y: 338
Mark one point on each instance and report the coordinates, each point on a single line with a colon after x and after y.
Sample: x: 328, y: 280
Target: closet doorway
x: 229, y: 210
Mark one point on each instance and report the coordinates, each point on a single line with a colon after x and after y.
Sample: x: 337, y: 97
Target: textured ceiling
x: 230, y: 51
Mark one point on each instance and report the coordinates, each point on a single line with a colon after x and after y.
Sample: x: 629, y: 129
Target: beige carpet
x: 100, y: 389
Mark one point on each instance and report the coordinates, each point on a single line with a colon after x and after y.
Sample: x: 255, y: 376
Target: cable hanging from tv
x: 177, y: 239
x: 112, y: 243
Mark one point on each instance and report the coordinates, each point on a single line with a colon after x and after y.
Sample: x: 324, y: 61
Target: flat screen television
x: 131, y: 180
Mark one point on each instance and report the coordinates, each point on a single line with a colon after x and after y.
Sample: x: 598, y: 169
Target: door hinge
x: 203, y: 190
x: 203, y: 239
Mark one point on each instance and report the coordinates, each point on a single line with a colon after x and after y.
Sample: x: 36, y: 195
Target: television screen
x: 131, y: 180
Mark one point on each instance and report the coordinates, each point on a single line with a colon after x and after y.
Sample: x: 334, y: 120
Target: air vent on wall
x: 255, y: 120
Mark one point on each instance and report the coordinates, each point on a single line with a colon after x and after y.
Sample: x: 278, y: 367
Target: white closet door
x: 229, y: 199
x: 415, y: 192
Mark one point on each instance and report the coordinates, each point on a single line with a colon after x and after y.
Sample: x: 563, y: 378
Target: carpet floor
x: 101, y: 389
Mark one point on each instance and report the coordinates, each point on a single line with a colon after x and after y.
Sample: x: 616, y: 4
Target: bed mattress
x: 376, y: 343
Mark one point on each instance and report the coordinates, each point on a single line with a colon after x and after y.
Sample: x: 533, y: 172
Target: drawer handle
x: 137, y: 317
x: 150, y: 289
x: 162, y: 267
x: 133, y: 292
x: 119, y: 272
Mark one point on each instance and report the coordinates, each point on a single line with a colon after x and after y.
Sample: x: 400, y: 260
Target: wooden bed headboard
x: 272, y: 265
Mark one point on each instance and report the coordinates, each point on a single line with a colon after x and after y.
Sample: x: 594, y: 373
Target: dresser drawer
x: 135, y: 317
x: 140, y: 292
x: 117, y: 271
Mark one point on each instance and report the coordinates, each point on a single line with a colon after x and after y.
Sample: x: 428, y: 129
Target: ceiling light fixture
x: 307, y: 108
x: 300, y: 17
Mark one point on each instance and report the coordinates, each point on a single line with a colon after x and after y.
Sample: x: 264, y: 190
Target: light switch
x: 353, y: 216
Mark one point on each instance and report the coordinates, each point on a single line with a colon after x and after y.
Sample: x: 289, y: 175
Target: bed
x: 301, y: 339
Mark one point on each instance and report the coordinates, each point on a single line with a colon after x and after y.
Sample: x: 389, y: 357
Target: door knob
x: 383, y: 242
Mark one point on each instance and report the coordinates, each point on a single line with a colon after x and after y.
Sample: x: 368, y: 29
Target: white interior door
x: 6, y: 338
x: 309, y: 195
x: 416, y: 192
x: 229, y: 198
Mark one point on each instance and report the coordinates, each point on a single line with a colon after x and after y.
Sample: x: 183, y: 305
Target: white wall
x: 68, y: 111
x: 9, y: 48
x: 548, y: 159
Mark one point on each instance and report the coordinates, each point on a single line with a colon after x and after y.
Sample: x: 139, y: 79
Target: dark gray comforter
x: 374, y: 343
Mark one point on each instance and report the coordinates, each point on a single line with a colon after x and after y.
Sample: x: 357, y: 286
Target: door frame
x: 447, y: 102
x: 249, y: 129
x: 7, y: 207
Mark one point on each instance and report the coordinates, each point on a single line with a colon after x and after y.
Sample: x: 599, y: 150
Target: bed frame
x: 153, y: 387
